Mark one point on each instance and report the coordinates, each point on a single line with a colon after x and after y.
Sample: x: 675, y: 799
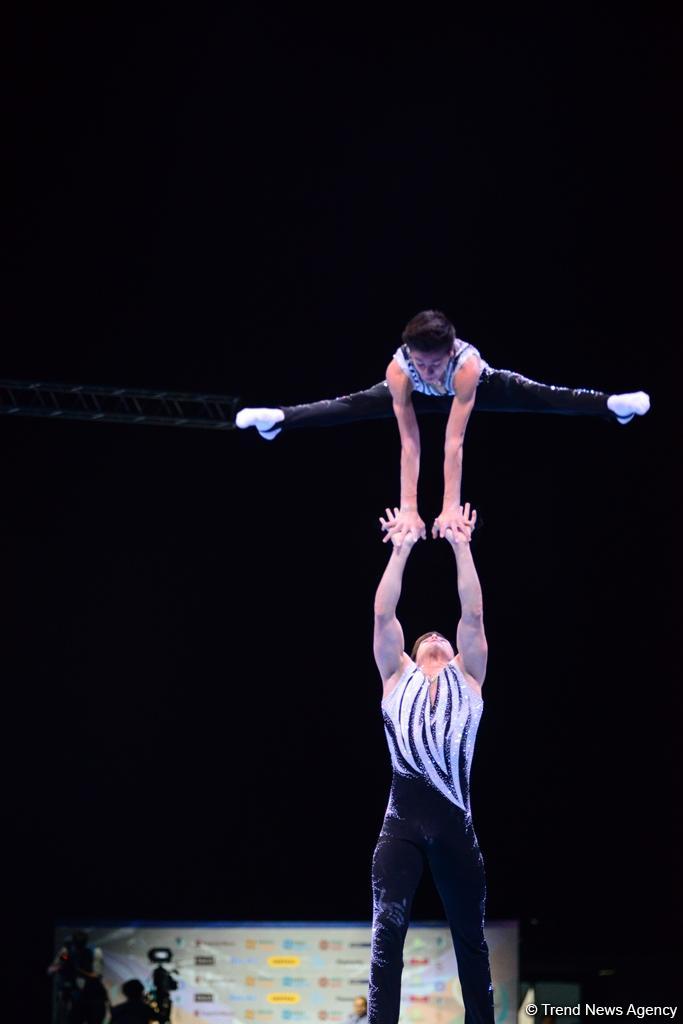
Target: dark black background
x: 254, y: 202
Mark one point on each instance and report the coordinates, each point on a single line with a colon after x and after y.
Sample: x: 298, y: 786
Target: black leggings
x: 497, y: 391
x: 422, y: 827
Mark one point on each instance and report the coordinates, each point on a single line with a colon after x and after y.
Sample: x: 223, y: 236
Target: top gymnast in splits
x: 435, y: 371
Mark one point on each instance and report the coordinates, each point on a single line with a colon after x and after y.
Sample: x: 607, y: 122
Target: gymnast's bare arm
x: 471, y: 638
x: 466, y: 380
x: 408, y: 518
x: 388, y: 639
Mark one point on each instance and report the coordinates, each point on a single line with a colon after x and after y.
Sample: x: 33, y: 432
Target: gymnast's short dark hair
x: 419, y: 640
x: 429, y: 331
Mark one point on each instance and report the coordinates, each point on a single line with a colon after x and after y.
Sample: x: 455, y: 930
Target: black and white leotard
x: 462, y: 353
x: 434, y: 742
x: 428, y: 823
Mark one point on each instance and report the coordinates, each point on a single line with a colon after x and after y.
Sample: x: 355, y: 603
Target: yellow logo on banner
x: 283, y: 997
x: 284, y: 961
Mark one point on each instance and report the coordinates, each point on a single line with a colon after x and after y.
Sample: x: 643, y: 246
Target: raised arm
x: 408, y: 517
x: 388, y: 636
x: 466, y: 381
x: 471, y: 638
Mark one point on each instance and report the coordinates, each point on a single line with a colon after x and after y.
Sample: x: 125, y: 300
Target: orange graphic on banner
x: 284, y: 961
x: 283, y: 997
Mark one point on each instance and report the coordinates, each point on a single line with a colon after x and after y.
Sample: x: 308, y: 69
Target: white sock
x: 625, y: 407
x: 263, y: 419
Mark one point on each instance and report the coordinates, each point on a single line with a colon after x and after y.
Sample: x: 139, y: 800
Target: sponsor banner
x: 297, y: 973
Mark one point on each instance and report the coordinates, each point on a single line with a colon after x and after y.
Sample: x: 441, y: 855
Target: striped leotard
x: 434, y: 742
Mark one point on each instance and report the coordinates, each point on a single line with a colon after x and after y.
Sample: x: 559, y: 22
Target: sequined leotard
x: 433, y: 741
x: 428, y: 821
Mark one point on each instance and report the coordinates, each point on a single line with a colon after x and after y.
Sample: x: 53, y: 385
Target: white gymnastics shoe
x: 263, y: 419
x: 625, y: 407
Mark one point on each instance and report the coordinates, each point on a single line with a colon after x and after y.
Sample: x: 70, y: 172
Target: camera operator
x: 81, y: 995
x: 136, y: 1009
x: 164, y: 983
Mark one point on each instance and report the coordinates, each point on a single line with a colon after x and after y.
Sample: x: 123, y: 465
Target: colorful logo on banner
x: 301, y: 974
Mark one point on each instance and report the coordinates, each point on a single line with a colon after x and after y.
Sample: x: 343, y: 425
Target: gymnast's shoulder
x: 400, y: 385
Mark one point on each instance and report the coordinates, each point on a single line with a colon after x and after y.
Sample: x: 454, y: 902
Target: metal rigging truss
x: 117, y: 405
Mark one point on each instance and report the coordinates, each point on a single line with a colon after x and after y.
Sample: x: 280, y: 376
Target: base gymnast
x: 435, y: 371
x: 431, y: 707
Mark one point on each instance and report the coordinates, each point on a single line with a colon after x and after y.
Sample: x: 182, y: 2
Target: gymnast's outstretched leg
x: 374, y: 403
x: 508, y: 391
x: 497, y: 391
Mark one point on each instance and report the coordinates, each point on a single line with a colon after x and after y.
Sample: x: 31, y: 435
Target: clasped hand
x: 406, y: 527
x: 456, y: 520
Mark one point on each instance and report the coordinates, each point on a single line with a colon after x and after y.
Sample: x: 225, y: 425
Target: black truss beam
x: 117, y: 405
